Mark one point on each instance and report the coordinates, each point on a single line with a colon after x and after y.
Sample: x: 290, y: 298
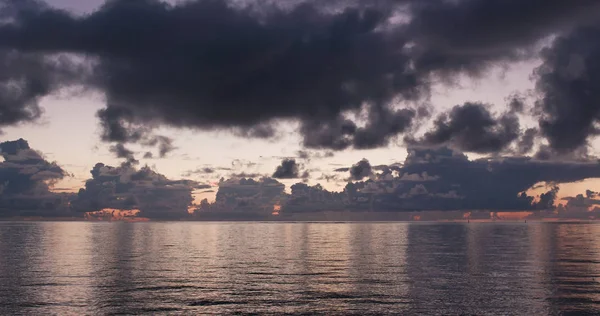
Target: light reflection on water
x: 329, y: 268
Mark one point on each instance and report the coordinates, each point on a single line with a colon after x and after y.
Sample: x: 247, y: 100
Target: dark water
x: 294, y: 268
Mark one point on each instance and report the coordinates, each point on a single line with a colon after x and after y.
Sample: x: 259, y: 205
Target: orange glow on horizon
x: 276, y: 209
x: 513, y: 215
x: 108, y: 214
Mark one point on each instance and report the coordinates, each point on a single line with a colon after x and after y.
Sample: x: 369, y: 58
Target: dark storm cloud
x: 288, y: 169
x: 25, y: 181
x: 128, y: 188
x: 467, y: 35
x: 569, y: 83
x: 360, y: 170
x: 244, y: 69
x: 27, y: 77
x: 382, y: 125
x: 471, y: 127
x: 301, y: 63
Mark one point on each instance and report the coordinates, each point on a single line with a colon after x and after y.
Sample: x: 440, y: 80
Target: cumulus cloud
x: 128, y: 188
x: 288, y: 169
x: 244, y: 194
x: 446, y: 179
x: 25, y: 182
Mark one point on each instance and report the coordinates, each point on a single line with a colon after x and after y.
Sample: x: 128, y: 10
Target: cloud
x: 246, y: 196
x: 25, y: 182
x: 360, y: 170
x: 241, y: 163
x: 351, y: 73
x: 567, y: 81
x: 547, y: 199
x: 288, y: 169
x: 121, y: 152
x: 165, y: 144
x: 580, y: 206
x: 445, y: 179
x: 204, y: 83
x: 241, y: 175
x: 526, y: 142
x: 308, y: 155
x: 201, y: 170
x: 468, y: 35
x: 329, y: 178
x: 307, y: 199
x: 352, y: 56
x: 471, y: 127
x: 128, y: 188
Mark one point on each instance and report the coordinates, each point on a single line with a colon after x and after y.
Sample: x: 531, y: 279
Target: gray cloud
x: 303, y: 61
x: 25, y: 181
x: 527, y: 141
x: 241, y: 175
x: 568, y: 83
x: 471, y: 127
x: 351, y: 55
x: 128, y: 188
x: 288, y: 169
x: 248, y: 195
x: 121, y: 152
x: 360, y: 170
x: 468, y: 35
x: 309, y: 155
x: 444, y: 179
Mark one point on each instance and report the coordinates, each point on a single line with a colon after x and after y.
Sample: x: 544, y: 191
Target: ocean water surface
x: 192, y: 268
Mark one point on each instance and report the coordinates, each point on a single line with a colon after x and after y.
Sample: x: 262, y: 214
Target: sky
x: 207, y: 90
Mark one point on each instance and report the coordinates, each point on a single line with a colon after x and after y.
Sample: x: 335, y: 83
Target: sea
x: 299, y: 268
